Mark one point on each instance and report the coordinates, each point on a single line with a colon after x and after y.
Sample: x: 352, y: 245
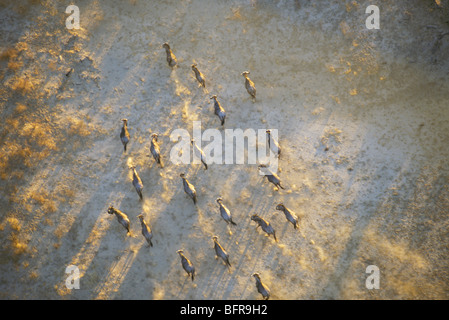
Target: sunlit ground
x: 362, y: 117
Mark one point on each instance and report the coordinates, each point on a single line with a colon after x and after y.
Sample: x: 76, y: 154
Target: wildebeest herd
x: 189, y: 188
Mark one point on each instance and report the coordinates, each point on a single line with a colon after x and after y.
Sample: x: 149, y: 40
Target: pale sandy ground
x: 376, y: 100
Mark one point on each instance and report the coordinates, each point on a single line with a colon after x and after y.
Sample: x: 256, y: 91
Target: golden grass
x: 3, y: 170
x: 34, y: 275
x: 12, y: 123
x: 22, y: 85
x: 39, y: 196
x: 14, y: 223
x: 50, y: 207
x: 8, y: 53
x: 14, y: 65
x: 43, y: 199
x: 41, y: 134
x: 53, y: 66
x: 67, y: 193
x: 78, y: 127
x: 20, y: 108
x: 12, y: 56
x: 21, y: 46
x: 17, y: 245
